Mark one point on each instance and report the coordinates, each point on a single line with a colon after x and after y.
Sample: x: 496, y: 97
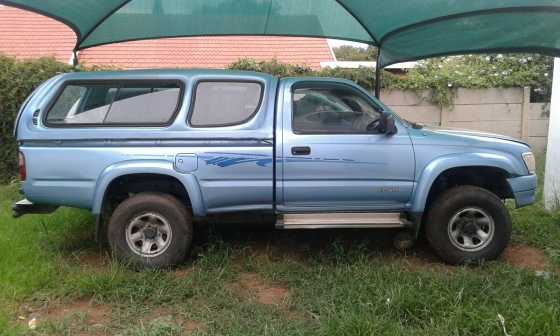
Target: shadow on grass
x: 77, y: 242
x: 309, y: 247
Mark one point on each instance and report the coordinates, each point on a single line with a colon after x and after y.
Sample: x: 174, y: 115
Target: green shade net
x: 404, y: 30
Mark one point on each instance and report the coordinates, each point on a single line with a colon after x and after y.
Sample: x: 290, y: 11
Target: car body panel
x: 73, y: 165
x: 344, y: 172
x: 249, y: 167
x: 437, y: 151
x: 524, y: 189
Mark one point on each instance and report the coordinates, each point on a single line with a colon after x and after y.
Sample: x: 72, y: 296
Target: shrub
x: 442, y: 76
x: 363, y: 76
x: 17, y: 80
x: 273, y: 67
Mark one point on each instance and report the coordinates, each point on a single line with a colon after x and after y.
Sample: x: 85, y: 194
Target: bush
x: 17, y: 80
x: 363, y: 76
x: 442, y: 76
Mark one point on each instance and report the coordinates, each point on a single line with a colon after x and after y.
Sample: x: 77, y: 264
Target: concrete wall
x: 503, y: 111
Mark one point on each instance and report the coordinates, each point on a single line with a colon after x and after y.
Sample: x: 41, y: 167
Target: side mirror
x: 388, y: 124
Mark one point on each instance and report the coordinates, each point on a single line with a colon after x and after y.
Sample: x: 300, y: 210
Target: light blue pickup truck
x: 152, y: 153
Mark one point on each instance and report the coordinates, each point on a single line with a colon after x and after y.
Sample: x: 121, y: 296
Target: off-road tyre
x: 160, y: 210
x: 456, y: 202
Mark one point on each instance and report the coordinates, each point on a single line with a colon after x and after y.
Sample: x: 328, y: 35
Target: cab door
x: 334, y: 156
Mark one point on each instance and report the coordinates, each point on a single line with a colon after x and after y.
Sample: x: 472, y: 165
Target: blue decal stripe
x: 265, y: 160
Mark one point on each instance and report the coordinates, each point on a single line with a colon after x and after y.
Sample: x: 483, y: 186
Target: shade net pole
x: 378, y: 77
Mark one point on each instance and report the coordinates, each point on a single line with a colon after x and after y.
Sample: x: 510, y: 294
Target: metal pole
x: 377, y: 77
x: 75, y: 60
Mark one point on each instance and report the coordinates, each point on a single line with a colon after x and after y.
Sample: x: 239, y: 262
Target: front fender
x: 436, y: 167
x: 160, y: 167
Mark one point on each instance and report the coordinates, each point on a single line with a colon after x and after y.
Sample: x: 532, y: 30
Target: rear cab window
x: 225, y: 103
x: 113, y: 103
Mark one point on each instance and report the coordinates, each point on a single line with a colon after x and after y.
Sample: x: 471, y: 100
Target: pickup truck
x: 153, y: 153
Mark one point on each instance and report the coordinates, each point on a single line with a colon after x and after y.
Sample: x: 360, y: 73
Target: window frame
x: 118, y: 83
x: 328, y: 84
x: 246, y: 120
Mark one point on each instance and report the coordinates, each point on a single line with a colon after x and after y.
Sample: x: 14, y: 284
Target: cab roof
x: 188, y: 73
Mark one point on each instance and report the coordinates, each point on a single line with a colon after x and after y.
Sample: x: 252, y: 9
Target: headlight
x: 529, y: 160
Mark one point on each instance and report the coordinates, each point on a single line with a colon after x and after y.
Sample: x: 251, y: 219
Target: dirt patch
x: 252, y: 285
x: 526, y: 257
x: 95, y: 314
x: 160, y: 313
x: 192, y: 326
x: 83, y: 315
x: 163, y: 313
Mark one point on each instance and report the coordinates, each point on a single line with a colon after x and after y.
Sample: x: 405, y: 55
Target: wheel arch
x: 460, y: 163
x: 148, y: 167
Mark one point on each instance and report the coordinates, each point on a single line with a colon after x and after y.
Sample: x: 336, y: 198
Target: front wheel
x: 468, y: 225
x: 152, y: 230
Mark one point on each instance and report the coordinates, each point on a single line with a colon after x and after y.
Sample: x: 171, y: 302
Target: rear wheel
x: 468, y: 225
x: 152, y: 230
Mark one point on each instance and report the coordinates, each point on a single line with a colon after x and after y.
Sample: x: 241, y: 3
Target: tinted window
x: 112, y: 104
x: 225, y: 103
x: 335, y: 109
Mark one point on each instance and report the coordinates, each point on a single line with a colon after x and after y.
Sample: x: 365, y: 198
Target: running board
x: 342, y: 220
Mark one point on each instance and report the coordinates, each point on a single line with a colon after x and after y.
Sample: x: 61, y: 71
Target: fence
x: 503, y: 111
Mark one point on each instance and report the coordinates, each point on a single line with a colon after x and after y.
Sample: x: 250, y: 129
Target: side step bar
x: 342, y: 220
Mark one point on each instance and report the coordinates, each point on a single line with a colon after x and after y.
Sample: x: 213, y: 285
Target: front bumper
x: 524, y: 189
x: 25, y: 207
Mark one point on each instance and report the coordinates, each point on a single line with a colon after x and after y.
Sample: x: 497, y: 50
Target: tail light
x: 21, y: 167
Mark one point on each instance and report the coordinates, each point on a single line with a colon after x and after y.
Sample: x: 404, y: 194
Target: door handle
x: 301, y: 150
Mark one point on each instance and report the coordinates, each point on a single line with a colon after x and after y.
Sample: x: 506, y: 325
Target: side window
x: 144, y: 105
x: 115, y: 104
x: 332, y: 110
x: 218, y: 104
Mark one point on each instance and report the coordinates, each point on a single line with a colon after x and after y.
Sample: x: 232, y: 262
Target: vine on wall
x: 442, y: 76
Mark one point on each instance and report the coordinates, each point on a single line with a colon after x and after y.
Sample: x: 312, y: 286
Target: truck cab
x: 153, y: 153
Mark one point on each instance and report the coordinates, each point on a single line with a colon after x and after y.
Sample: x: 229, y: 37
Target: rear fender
x: 160, y: 167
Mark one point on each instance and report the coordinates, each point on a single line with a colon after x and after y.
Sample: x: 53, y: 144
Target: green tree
x: 350, y: 53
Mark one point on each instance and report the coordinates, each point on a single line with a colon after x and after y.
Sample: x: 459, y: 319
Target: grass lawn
x: 259, y: 282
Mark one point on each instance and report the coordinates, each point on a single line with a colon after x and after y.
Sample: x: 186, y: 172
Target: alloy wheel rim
x: 149, y: 235
x: 471, y: 229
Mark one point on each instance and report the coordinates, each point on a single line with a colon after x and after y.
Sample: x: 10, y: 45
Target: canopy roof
x: 404, y: 30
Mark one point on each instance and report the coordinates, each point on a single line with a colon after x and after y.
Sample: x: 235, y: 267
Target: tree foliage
x: 444, y: 75
x: 440, y: 75
x: 350, y: 53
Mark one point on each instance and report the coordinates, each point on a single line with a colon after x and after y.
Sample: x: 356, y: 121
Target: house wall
x: 27, y: 35
x: 503, y: 111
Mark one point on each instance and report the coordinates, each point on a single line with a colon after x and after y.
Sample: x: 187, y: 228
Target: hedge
x: 17, y: 80
x: 442, y: 76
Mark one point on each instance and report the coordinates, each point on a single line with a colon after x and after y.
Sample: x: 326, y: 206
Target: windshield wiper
x: 414, y: 125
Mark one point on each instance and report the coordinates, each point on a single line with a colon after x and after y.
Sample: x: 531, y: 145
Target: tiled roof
x: 27, y: 35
